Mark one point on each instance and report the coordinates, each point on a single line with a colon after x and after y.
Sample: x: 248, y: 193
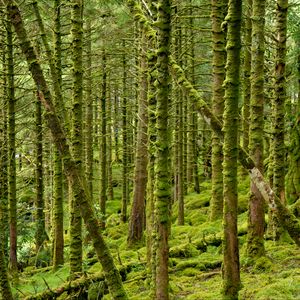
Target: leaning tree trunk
x: 162, y: 163
x: 219, y: 59
x: 72, y: 170
x: 255, y: 242
x: 231, y: 266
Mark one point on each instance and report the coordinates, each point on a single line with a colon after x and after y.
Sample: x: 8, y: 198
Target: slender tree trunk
x: 255, y: 243
x: 162, y: 164
x: 89, y: 111
x: 279, y: 150
x: 247, y: 74
x: 4, y: 213
x: 103, y: 152
x: 58, y: 214
x: 137, y: 220
x: 40, y: 233
x: 11, y: 150
x: 125, y: 162
x: 231, y: 266
x: 77, y: 138
x: 72, y: 170
x: 219, y: 57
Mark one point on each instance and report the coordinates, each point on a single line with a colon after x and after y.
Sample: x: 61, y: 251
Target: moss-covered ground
x: 195, y: 259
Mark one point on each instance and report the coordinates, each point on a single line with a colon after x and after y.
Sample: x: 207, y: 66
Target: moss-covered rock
x: 184, y: 251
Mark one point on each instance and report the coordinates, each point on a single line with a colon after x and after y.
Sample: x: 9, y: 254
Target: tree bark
x: 231, y: 265
x: 256, y: 222
x: 162, y: 163
x: 137, y: 219
x: 219, y: 58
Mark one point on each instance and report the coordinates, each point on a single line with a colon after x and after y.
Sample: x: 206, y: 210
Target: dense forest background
x: 150, y: 149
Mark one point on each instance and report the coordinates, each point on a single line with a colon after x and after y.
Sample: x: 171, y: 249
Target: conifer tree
x: 219, y: 57
x: 231, y: 266
x: 162, y: 163
x: 255, y: 244
x: 11, y: 150
x: 77, y: 137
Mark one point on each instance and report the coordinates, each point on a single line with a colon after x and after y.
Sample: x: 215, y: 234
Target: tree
x: 77, y: 138
x: 58, y: 214
x: 11, y: 150
x: 231, y: 266
x: 255, y: 243
x: 137, y: 219
x: 219, y: 58
x: 162, y: 169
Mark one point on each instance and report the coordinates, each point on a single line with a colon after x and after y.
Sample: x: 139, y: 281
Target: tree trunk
x: 255, y: 241
x: 162, y: 163
x: 40, y: 233
x: 219, y: 59
x: 137, y: 220
x: 11, y: 150
x: 58, y: 214
x: 103, y: 144
x: 231, y: 265
x: 77, y: 138
x: 72, y: 170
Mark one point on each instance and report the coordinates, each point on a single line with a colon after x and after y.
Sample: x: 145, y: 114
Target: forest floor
x: 195, y: 259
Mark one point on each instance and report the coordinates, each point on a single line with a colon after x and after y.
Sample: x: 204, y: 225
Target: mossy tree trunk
x: 77, y: 138
x: 247, y: 73
x: 5, y: 288
x: 219, y: 58
x: 178, y: 124
x: 11, y: 150
x: 40, y: 232
x: 162, y: 163
x: 255, y: 242
x: 58, y: 193
x: 72, y: 170
x: 279, y: 149
x: 293, y: 175
x: 193, y: 123
x: 103, y: 144
x: 137, y: 219
x: 4, y: 216
x: 231, y: 266
x: 125, y: 156
x: 89, y: 111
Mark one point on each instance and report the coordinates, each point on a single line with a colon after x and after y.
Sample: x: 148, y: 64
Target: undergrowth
x: 195, y: 259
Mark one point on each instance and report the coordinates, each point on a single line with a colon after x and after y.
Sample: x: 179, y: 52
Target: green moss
x: 185, y: 250
x: 262, y: 264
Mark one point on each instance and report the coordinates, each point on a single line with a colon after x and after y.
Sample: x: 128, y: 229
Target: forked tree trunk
x: 73, y: 172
